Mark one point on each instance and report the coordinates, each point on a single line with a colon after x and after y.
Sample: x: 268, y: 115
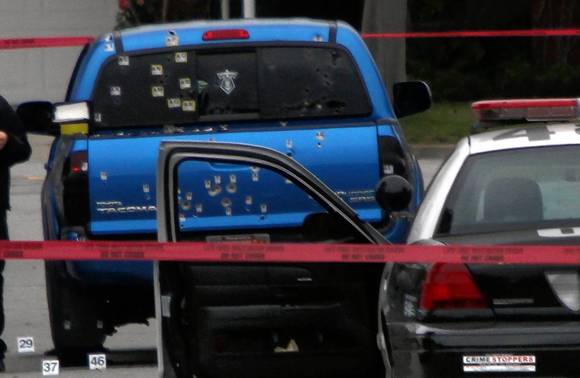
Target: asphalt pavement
x: 131, y: 351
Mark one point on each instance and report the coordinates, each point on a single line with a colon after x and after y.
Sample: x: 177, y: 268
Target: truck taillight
x: 76, y: 190
x: 451, y: 286
x: 225, y: 34
x: 78, y: 162
x: 548, y: 109
x: 392, y: 158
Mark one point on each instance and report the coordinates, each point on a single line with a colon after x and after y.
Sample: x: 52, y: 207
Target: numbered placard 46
x: 97, y: 361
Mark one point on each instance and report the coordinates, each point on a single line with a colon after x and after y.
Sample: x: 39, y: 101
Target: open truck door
x: 261, y: 319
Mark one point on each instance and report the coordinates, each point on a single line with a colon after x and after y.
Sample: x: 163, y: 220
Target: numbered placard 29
x: 25, y: 344
x: 50, y: 367
x: 97, y: 362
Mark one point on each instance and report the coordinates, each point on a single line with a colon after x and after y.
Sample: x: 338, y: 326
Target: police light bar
x: 225, y: 34
x: 539, y: 110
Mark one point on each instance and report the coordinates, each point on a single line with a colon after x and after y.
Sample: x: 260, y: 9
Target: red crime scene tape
x: 41, y: 42
x: 477, y: 34
x: 52, y: 42
x: 286, y: 253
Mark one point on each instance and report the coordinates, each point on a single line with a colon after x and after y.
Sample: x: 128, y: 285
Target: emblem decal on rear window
x: 227, y: 83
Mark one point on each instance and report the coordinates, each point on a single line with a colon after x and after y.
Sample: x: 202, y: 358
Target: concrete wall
x: 38, y: 74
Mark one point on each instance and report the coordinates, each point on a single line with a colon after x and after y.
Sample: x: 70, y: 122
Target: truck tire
x: 74, y: 315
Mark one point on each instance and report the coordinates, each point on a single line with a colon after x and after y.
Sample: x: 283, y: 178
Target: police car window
x: 513, y: 190
x: 251, y: 83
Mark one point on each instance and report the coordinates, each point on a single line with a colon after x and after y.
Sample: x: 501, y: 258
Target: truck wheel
x: 74, y: 315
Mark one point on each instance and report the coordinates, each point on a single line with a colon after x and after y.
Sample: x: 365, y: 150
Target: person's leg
x: 3, y: 236
x: 3, y: 225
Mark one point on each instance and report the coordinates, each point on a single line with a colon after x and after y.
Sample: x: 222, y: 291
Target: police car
x: 518, y: 184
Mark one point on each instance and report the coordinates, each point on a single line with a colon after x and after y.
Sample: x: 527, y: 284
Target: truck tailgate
x: 122, y: 174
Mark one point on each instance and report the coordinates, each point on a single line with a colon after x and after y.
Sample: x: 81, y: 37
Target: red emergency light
x: 546, y: 109
x: 225, y: 34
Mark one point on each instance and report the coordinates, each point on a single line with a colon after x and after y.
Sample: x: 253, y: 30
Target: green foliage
x: 446, y: 122
x: 558, y: 80
x: 448, y: 66
x: 140, y: 12
x: 466, y: 69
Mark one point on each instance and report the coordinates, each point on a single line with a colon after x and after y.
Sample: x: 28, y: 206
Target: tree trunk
x: 390, y: 54
x: 553, y: 14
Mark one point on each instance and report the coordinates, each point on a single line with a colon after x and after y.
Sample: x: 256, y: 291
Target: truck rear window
x: 176, y: 87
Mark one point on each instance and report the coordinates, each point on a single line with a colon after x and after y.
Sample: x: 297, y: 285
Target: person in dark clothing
x: 14, y: 148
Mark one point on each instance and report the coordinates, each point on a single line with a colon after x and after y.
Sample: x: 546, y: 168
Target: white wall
x: 42, y: 74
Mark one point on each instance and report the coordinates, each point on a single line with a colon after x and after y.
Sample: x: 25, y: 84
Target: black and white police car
x: 519, y: 184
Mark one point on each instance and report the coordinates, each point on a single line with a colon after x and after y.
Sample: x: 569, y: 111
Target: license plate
x: 245, y: 238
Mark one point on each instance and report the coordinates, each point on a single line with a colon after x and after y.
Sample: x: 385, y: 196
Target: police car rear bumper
x: 499, y: 350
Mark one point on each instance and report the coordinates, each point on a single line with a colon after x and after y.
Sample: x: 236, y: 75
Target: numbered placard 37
x: 50, y: 367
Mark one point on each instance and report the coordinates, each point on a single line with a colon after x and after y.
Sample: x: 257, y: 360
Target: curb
x: 432, y: 151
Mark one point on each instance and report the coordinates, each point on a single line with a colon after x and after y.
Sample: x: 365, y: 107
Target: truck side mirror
x: 393, y: 193
x: 411, y: 97
x: 36, y: 116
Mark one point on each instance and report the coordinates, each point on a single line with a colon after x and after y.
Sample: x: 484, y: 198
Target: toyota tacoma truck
x: 309, y: 89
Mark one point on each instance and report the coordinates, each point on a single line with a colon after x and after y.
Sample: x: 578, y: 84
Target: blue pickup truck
x: 309, y: 89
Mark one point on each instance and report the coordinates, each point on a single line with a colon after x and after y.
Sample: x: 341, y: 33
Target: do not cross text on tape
x: 287, y: 253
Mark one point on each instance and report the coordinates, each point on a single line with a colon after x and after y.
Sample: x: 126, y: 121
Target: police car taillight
x: 551, y: 109
x: 225, y: 34
x: 451, y: 286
